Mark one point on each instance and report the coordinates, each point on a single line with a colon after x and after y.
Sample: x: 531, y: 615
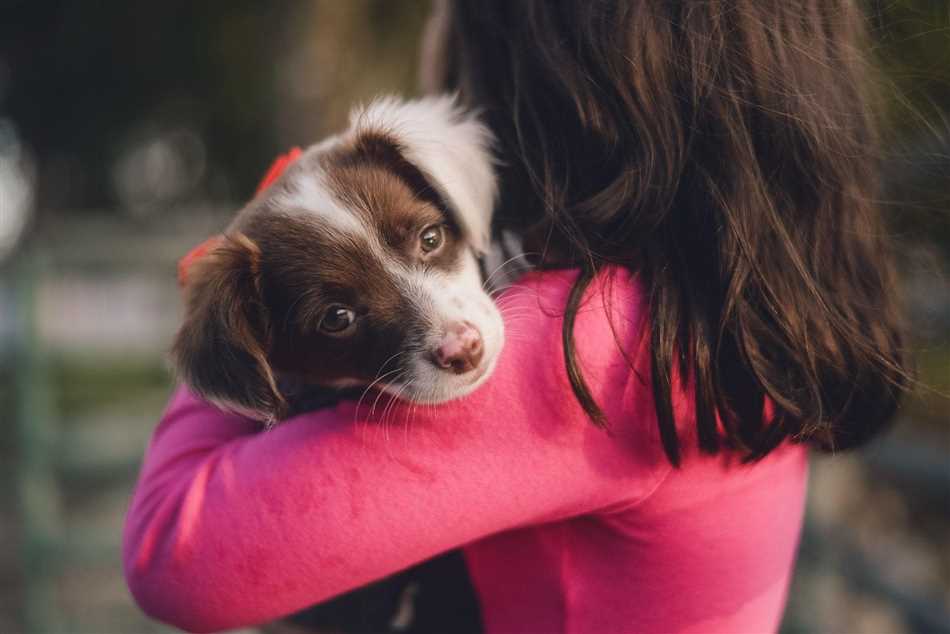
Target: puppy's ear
x: 221, y: 349
x: 449, y: 146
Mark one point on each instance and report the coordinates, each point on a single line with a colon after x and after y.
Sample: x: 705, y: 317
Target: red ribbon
x: 277, y: 168
x: 280, y: 164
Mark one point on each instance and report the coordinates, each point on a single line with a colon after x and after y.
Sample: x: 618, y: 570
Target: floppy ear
x: 449, y: 146
x: 220, y: 349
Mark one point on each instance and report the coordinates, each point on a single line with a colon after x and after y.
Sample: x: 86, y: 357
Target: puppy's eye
x: 337, y: 319
x: 431, y: 238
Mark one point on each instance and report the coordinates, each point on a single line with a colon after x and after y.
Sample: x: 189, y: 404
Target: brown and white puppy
x: 357, y: 266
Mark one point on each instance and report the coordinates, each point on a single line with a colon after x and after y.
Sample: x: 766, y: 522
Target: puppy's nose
x: 460, y: 350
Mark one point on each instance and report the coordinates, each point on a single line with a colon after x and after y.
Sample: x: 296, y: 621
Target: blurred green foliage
x: 912, y: 50
x: 81, y: 80
x: 912, y: 46
x: 82, y: 387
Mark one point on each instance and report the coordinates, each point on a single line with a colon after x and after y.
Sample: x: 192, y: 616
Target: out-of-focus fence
x: 88, y: 308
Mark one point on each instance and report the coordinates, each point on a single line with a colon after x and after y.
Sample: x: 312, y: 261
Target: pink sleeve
x: 231, y: 526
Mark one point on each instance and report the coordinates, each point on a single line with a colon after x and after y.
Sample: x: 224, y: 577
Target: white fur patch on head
x: 450, y: 146
x: 307, y: 194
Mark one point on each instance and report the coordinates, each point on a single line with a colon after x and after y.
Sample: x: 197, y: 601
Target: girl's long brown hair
x: 726, y: 151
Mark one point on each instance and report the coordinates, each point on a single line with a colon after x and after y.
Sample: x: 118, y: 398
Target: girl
x: 713, y: 295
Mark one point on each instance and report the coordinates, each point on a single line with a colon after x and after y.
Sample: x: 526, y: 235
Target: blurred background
x: 131, y: 131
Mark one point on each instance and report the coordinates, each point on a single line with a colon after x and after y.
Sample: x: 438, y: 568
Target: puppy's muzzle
x: 461, y: 348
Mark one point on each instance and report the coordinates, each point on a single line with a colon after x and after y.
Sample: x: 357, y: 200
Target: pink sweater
x: 565, y: 528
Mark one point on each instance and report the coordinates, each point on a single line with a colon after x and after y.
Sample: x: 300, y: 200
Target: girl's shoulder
x: 611, y: 349
x: 610, y: 330
x: 614, y: 300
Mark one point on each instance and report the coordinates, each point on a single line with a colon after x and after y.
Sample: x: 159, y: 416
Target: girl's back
x: 708, y: 547
x: 705, y: 552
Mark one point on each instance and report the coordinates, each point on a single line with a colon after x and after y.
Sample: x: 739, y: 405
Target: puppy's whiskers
x: 380, y: 393
x: 389, y: 407
x: 379, y: 378
x: 498, y: 269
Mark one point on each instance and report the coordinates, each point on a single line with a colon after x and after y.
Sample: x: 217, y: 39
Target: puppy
x: 357, y: 266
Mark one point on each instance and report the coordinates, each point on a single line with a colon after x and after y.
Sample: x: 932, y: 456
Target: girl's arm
x: 231, y: 526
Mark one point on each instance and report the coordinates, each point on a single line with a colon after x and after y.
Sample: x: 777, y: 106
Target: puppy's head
x: 358, y: 266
